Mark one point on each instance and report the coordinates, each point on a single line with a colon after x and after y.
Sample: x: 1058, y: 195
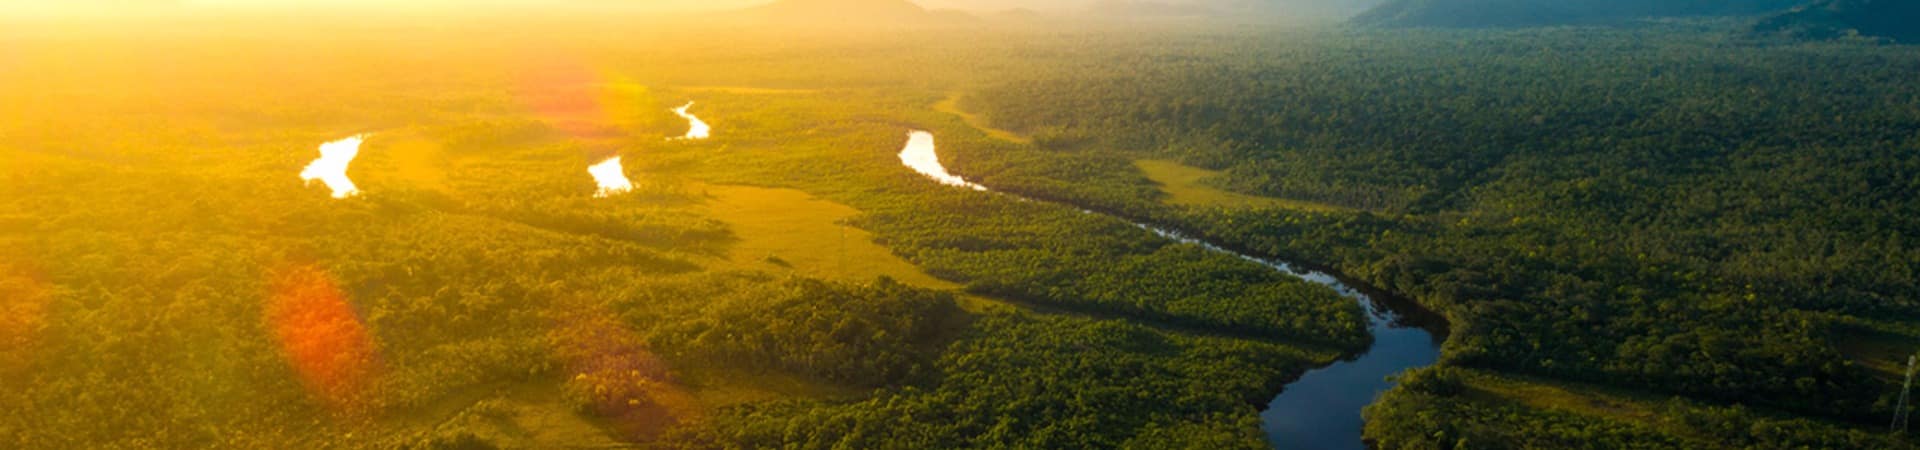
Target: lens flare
x: 616, y: 377
x: 920, y: 156
x: 331, y: 167
x: 23, y: 303
x: 570, y: 97
x: 696, y: 129
x: 322, y: 338
x: 611, y: 176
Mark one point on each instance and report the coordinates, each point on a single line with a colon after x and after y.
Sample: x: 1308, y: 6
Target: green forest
x: 1670, y: 234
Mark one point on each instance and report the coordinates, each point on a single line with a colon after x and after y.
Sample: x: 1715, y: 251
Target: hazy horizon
x: 651, y: 6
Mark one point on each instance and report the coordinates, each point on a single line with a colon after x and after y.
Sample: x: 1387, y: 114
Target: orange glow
x: 615, y: 376
x: 23, y: 304
x: 567, y: 95
x: 322, y: 338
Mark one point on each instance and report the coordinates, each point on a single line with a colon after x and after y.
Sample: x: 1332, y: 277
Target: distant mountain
x: 880, y: 13
x: 1146, y: 8
x: 1258, y: 10
x: 1020, y: 15
x: 1898, y: 20
x: 1529, y: 13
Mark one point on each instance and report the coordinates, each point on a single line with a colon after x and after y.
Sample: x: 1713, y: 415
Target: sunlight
x: 919, y: 155
x: 617, y: 377
x: 696, y: 129
x: 331, y: 167
x: 322, y: 337
x: 23, y: 304
x: 611, y: 176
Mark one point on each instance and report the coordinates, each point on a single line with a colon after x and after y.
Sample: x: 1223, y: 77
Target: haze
x: 662, y: 6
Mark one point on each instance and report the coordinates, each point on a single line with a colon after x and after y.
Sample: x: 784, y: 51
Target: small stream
x: 1321, y: 410
x: 696, y: 129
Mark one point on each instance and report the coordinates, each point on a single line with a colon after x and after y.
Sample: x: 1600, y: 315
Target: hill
x: 1531, y: 13
x: 1898, y: 20
x: 1257, y: 10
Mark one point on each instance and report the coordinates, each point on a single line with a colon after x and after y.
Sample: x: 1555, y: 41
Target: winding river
x: 696, y: 128
x: 1321, y: 410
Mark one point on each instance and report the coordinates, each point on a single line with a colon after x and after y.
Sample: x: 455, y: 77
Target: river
x: 611, y: 177
x: 696, y: 129
x: 1321, y: 410
x: 331, y: 167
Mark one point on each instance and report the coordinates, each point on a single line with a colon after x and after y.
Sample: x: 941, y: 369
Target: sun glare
x: 331, y: 167
x: 611, y: 176
x: 920, y: 156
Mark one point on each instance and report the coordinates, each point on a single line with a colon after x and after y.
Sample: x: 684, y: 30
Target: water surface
x: 1321, y: 410
x: 331, y: 167
x: 696, y: 129
x: 611, y: 176
x: 919, y: 155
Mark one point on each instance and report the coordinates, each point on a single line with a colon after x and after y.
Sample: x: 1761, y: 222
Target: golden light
x: 617, y: 377
x: 23, y: 304
x: 331, y: 167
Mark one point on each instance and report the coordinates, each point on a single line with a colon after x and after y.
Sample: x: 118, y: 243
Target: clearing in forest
x: 789, y: 231
x: 951, y: 105
x: 1184, y: 186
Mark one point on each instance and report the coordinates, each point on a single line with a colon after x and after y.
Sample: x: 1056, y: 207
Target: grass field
x: 1184, y: 185
x: 789, y: 231
x: 951, y: 105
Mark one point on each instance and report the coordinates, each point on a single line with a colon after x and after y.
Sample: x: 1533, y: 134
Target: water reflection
x: 331, y: 167
x: 920, y: 156
x: 696, y: 129
x: 611, y: 176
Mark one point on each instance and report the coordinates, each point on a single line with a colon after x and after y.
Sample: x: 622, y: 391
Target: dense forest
x: 1673, y: 226
x: 1664, y: 235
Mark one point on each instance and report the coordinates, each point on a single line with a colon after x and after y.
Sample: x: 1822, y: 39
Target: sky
x: 650, y: 5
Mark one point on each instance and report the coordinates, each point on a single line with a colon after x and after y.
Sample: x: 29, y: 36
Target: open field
x: 789, y: 231
x: 1186, y: 186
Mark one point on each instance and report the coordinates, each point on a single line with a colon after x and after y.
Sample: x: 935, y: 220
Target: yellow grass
x: 411, y: 158
x: 1183, y: 186
x: 789, y: 231
x: 951, y: 105
x: 1564, y: 396
x: 515, y: 415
